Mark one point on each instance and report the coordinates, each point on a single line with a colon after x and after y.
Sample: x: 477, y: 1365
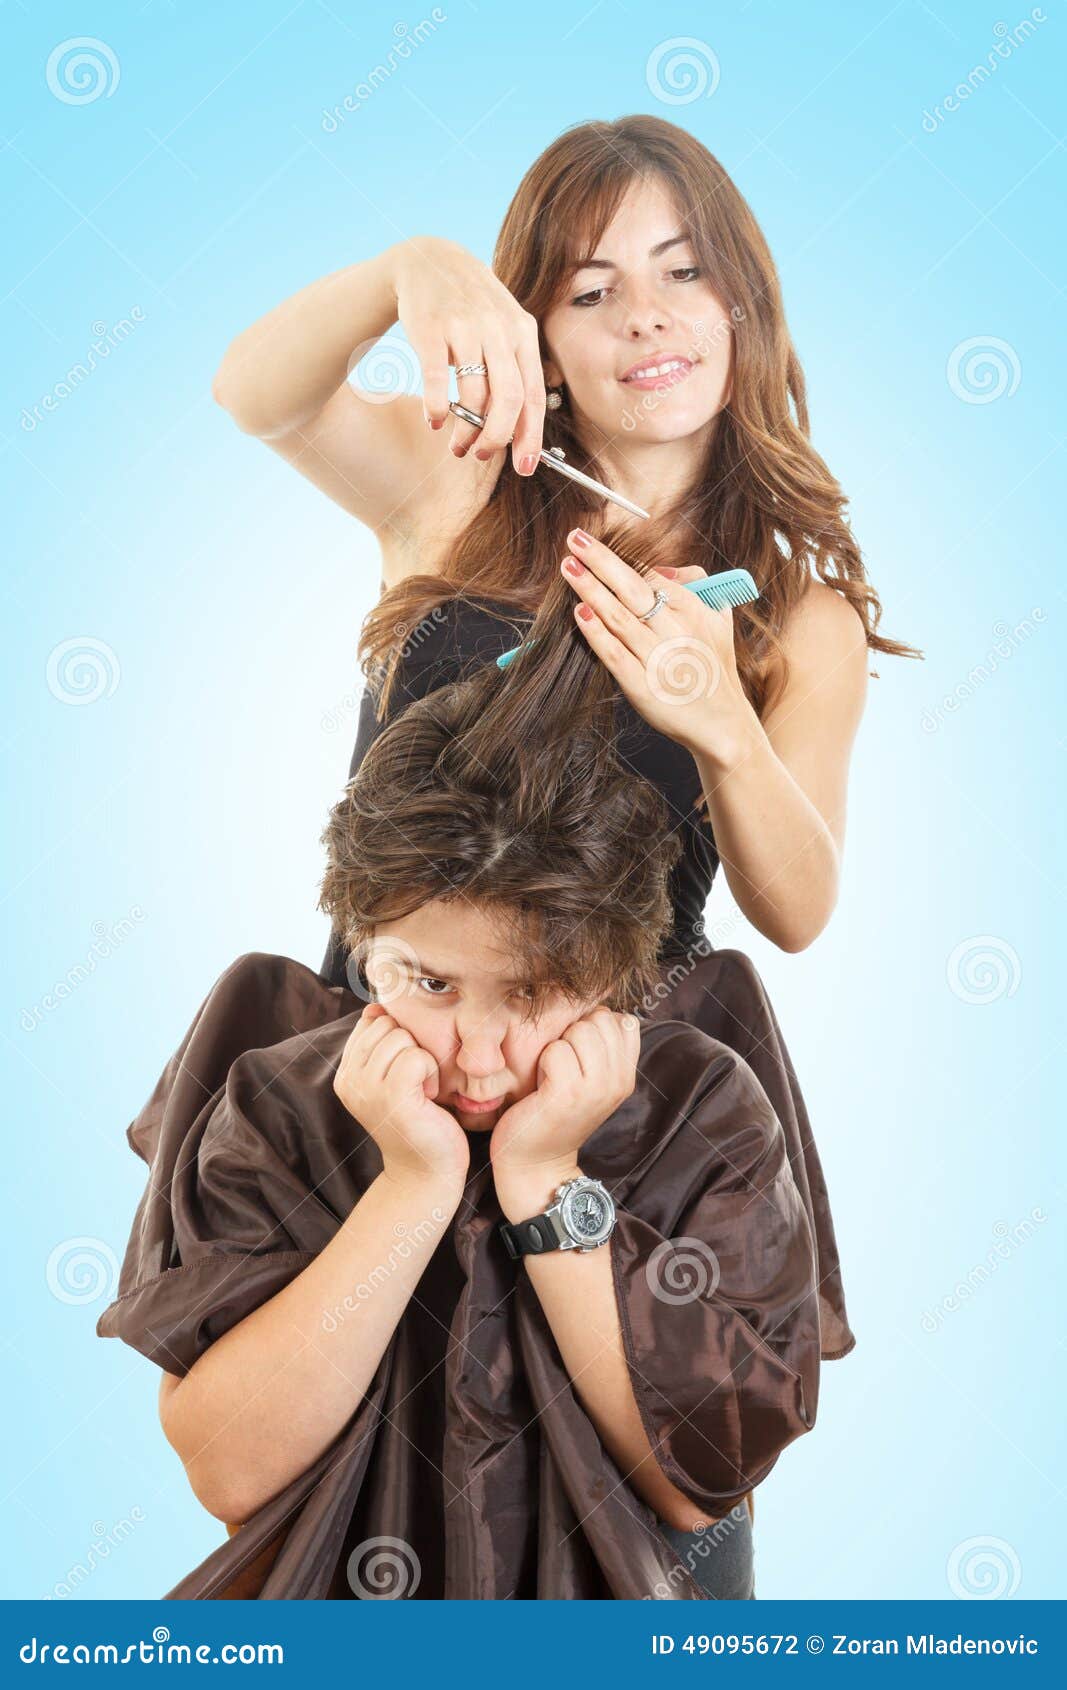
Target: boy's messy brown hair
x: 504, y: 791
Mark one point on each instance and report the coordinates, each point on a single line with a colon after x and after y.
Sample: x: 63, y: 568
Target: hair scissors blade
x: 553, y: 457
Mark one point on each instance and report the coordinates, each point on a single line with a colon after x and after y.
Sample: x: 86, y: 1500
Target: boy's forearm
x: 261, y: 1405
x: 576, y: 1291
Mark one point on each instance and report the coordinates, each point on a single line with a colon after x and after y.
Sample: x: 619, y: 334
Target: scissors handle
x: 553, y: 457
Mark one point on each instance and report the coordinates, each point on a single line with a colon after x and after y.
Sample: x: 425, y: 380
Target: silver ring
x: 661, y: 599
x: 472, y: 369
x: 471, y: 417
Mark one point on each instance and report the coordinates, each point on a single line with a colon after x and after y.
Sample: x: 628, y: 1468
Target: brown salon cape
x: 470, y: 1469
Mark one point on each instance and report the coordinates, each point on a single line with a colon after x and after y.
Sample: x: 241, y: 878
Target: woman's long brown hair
x: 765, y: 501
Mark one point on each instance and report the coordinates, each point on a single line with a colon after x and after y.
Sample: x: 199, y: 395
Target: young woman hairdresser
x: 633, y: 320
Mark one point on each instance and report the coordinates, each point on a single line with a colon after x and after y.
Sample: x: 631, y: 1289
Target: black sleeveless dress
x: 717, y: 990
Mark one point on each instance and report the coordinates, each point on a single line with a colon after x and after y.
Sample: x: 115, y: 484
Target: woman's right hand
x: 387, y: 1081
x: 454, y: 310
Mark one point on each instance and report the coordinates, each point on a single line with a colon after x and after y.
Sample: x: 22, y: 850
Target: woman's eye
x: 423, y: 978
x: 684, y: 273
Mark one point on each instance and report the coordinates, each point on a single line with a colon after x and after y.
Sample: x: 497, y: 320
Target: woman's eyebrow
x: 653, y: 252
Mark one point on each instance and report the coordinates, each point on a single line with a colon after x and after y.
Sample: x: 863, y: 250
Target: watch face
x: 587, y: 1214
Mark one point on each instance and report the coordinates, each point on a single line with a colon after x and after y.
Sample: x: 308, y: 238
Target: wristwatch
x: 581, y: 1218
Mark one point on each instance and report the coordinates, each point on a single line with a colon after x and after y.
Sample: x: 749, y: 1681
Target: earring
x: 554, y: 398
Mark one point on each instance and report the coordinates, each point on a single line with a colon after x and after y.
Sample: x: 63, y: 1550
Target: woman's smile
x: 661, y: 372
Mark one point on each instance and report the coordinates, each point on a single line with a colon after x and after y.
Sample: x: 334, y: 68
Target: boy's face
x: 445, y: 976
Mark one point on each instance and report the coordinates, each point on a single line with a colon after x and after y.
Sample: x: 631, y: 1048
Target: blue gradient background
x: 193, y: 198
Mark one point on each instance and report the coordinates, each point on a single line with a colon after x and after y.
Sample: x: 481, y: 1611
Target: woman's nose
x: 645, y: 314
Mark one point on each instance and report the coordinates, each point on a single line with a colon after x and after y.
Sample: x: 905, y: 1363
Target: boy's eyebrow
x: 432, y: 972
x: 653, y: 252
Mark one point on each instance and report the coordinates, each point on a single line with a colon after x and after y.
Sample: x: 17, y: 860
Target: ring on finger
x: 658, y: 602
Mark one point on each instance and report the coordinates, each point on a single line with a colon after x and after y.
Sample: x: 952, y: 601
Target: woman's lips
x: 468, y: 1106
x: 670, y: 379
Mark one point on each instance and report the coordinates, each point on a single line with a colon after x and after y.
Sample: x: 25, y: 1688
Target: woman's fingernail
x: 667, y: 570
x: 483, y: 454
x: 585, y: 611
x: 573, y: 567
x: 526, y: 464
x: 579, y: 537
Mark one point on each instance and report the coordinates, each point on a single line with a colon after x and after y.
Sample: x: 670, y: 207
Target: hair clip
x: 730, y: 587
x: 554, y: 457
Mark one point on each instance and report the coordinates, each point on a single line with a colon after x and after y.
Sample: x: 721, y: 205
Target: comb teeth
x: 733, y: 586
x: 730, y: 587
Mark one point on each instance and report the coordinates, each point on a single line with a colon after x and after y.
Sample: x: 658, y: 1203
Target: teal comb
x: 732, y: 586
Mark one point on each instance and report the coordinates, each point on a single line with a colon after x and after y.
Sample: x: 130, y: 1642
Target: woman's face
x: 445, y: 976
x: 641, y: 307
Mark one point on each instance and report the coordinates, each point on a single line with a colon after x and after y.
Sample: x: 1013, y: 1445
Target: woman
x: 370, y: 1372
x: 632, y: 280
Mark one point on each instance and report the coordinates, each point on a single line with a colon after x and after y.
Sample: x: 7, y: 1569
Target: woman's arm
x: 776, y: 790
x: 269, y: 1396
x: 285, y: 379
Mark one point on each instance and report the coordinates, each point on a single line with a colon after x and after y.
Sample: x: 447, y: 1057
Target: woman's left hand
x: 679, y: 670
x: 582, y: 1078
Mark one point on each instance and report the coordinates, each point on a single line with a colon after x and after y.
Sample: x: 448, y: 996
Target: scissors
x: 554, y: 458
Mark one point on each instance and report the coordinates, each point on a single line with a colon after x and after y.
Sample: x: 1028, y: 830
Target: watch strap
x: 529, y: 1238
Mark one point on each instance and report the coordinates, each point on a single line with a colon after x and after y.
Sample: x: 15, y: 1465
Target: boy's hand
x: 387, y: 1081
x: 582, y: 1078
